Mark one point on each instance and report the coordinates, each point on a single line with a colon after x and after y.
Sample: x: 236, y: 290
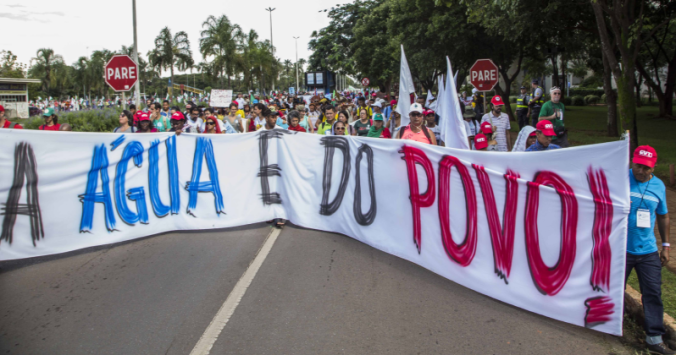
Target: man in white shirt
x: 193, y: 120
x: 500, y: 121
x: 240, y: 102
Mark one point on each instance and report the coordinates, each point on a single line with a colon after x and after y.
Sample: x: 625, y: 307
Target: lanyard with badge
x: 643, y: 215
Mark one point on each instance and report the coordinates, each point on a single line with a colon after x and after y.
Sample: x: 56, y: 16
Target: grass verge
x: 668, y: 290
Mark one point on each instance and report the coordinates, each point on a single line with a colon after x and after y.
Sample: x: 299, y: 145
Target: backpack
x: 424, y: 129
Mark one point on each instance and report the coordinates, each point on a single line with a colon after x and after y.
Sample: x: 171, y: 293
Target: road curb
x: 634, y: 306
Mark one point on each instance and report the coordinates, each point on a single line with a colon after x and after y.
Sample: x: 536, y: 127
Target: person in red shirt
x: 4, y: 123
x: 51, y: 121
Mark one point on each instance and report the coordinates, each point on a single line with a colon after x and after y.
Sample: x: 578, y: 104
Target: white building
x: 14, y: 96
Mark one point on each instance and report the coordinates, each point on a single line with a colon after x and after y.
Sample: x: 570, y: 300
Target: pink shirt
x: 418, y: 137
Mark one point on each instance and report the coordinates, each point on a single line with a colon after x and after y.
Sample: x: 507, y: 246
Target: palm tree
x: 81, y: 68
x: 219, y: 39
x: 45, y: 61
x: 171, y: 51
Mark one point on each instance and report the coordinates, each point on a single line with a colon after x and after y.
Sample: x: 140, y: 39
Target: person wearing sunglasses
x: 211, y: 126
x: 553, y: 111
x: 126, y: 123
x: 416, y: 130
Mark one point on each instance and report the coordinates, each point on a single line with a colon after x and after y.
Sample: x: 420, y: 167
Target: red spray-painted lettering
x: 501, y: 238
x: 463, y: 253
x: 603, y: 218
x: 551, y: 280
x: 414, y: 156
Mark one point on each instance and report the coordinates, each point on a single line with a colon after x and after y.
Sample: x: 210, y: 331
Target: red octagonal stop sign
x: 121, y: 73
x: 484, y: 75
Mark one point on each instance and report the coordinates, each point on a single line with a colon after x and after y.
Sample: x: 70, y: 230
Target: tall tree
x: 620, y: 25
x: 171, y: 51
x: 219, y: 40
x: 45, y: 60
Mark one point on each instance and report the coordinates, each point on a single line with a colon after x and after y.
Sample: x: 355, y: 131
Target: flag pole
x: 137, y: 87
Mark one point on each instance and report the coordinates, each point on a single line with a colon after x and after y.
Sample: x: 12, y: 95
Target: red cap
x: 2, y: 108
x: 177, y: 116
x: 480, y: 141
x: 486, y: 127
x: 497, y: 100
x: 143, y: 117
x: 645, y: 155
x: 374, y: 94
x: 533, y: 134
x: 428, y: 112
x: 393, y: 102
x: 546, y: 127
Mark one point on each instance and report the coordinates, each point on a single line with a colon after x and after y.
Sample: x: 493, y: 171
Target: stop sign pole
x: 121, y: 74
x: 484, y: 76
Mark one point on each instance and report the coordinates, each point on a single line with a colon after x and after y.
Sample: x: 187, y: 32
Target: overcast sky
x: 75, y: 28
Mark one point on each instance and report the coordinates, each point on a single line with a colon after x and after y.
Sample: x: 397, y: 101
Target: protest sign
x: 220, y: 98
x: 544, y: 231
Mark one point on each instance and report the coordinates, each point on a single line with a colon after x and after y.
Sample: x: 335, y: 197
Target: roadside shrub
x: 83, y: 121
x: 603, y: 98
x: 577, y: 101
x: 586, y: 92
x: 591, y: 99
x: 567, y: 101
x: 512, y: 99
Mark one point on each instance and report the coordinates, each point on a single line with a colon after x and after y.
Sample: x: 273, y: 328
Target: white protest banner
x: 220, y: 98
x: 543, y: 231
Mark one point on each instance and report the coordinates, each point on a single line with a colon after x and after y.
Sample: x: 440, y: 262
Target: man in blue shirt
x: 545, y: 133
x: 648, y: 205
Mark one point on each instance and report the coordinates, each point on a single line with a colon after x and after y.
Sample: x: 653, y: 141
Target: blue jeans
x: 649, y: 271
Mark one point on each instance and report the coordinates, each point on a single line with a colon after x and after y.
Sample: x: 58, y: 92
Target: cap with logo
x: 48, y: 112
x: 428, y: 112
x: 378, y: 117
x: 143, y: 117
x: 546, y: 127
x: 486, y: 127
x: 177, y: 116
x: 480, y: 141
x: 497, y: 101
x: 645, y: 155
x: 416, y: 107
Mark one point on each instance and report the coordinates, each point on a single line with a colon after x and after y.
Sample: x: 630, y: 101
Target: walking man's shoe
x: 660, y: 348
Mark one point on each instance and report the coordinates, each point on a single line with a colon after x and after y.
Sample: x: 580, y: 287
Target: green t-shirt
x: 548, y: 109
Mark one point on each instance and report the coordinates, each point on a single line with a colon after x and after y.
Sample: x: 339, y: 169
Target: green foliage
x: 567, y: 101
x: 586, y: 92
x: 512, y: 99
x: 9, y: 67
x: 83, y: 121
x: 577, y: 100
x: 591, y: 99
x: 593, y: 82
x: 603, y: 98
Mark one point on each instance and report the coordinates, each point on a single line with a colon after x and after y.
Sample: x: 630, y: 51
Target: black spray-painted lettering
x: 330, y: 144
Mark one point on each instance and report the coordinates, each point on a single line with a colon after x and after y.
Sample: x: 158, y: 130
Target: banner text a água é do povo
x: 542, y: 231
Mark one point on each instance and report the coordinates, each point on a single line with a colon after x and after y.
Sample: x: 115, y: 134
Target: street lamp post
x: 272, y: 46
x: 296, y: 38
x: 137, y: 89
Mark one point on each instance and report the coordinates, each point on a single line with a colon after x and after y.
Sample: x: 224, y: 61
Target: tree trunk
x: 611, y: 99
x: 626, y: 102
x: 639, y: 82
x: 171, y: 87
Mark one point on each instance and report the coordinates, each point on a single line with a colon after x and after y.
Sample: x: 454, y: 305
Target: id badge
x: 643, y: 218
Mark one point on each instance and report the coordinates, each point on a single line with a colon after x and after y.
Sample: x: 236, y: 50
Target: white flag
x: 406, y: 88
x: 452, y: 126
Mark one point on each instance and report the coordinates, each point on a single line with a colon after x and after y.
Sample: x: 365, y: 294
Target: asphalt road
x: 315, y: 293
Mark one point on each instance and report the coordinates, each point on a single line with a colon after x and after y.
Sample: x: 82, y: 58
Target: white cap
x: 377, y: 104
x: 474, y: 91
x: 416, y: 107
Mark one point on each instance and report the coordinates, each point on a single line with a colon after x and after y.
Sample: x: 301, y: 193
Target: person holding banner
x: 235, y: 117
x: 545, y: 133
x: 126, y: 123
x: 4, y: 123
x: 211, y: 127
x: 326, y: 124
x: 648, y: 205
x: 51, y: 121
x: 488, y: 130
x: 480, y: 142
x: 416, y: 130
x: 144, y: 124
x: 294, y: 122
x: 378, y: 130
